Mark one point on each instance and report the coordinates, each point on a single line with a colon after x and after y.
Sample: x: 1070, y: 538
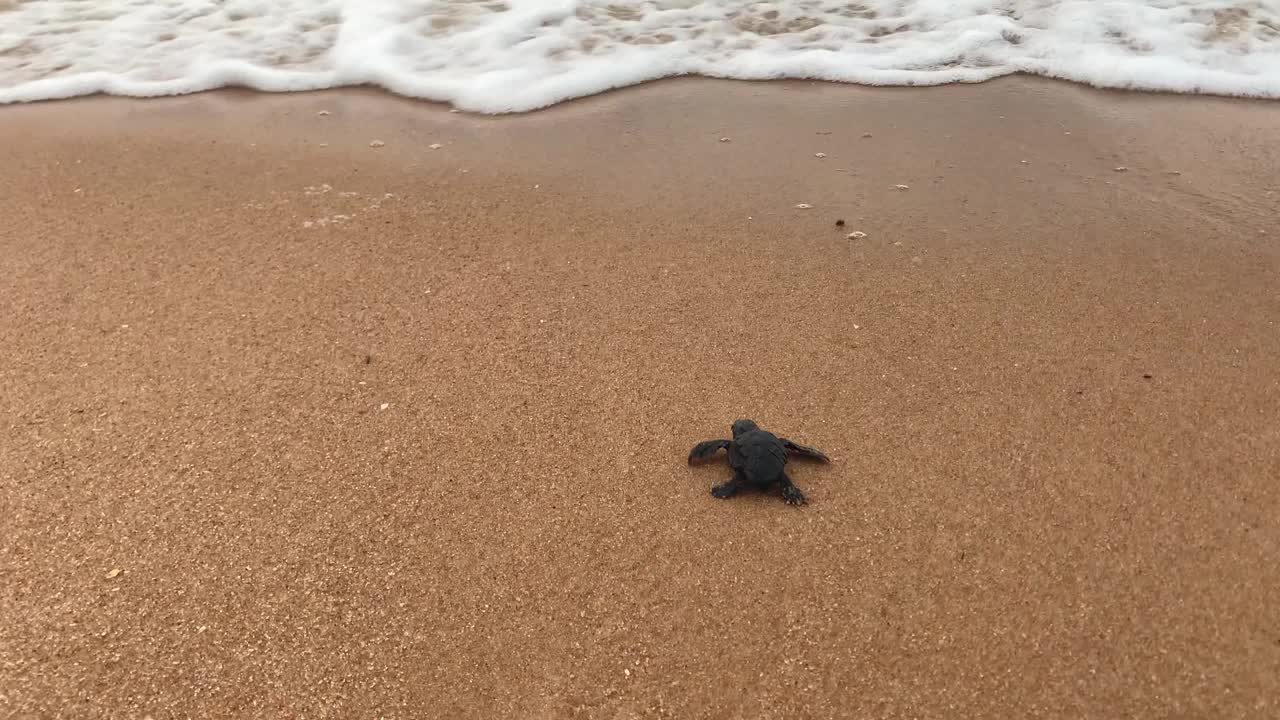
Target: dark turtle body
x: 758, y: 458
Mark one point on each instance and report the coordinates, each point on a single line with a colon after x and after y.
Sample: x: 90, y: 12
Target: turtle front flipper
x: 704, y: 450
x: 805, y: 451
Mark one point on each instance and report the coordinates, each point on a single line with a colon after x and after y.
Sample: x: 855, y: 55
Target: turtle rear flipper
x: 728, y: 489
x: 792, y: 494
x: 805, y: 451
x: 704, y: 450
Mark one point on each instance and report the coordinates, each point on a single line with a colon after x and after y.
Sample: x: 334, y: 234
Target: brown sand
x: 207, y: 514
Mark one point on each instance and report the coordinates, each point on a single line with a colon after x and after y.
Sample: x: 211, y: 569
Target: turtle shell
x: 759, y: 455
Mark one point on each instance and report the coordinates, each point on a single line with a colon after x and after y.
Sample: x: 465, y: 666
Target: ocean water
x: 496, y: 56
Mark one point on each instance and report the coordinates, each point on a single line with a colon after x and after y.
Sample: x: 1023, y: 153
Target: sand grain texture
x: 400, y: 432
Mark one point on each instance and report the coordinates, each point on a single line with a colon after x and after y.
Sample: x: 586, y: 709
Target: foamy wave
x: 498, y: 56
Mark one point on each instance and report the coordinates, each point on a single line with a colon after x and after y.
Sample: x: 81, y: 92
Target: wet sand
x: 294, y: 426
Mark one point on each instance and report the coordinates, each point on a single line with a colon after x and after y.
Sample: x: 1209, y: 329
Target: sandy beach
x: 340, y: 405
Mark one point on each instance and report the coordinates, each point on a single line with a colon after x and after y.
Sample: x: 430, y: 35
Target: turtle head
x: 744, y: 426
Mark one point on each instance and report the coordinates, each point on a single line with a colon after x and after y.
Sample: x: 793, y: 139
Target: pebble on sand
x: 435, y: 146
x: 819, y: 155
x: 376, y: 143
x: 866, y: 135
x: 114, y: 573
x: 804, y: 206
x: 1121, y: 168
x: 902, y: 187
x: 724, y: 139
x: 384, y: 406
x: 323, y: 112
x: 857, y: 235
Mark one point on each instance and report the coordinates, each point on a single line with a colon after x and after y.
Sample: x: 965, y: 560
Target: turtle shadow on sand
x: 758, y: 458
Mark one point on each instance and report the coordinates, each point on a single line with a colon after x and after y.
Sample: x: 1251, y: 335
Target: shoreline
x: 1013, y: 77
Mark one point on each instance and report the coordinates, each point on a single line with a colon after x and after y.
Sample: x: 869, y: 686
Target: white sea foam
x: 515, y: 55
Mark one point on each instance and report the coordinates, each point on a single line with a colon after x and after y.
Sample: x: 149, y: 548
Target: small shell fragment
x: 804, y: 206
x: 323, y: 112
x: 724, y: 139
x: 1121, y: 168
x: 819, y: 155
x: 435, y: 146
x: 902, y: 187
x: 113, y: 574
x: 376, y: 143
x: 856, y: 235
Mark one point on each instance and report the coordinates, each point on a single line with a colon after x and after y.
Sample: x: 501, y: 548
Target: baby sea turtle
x: 758, y: 458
